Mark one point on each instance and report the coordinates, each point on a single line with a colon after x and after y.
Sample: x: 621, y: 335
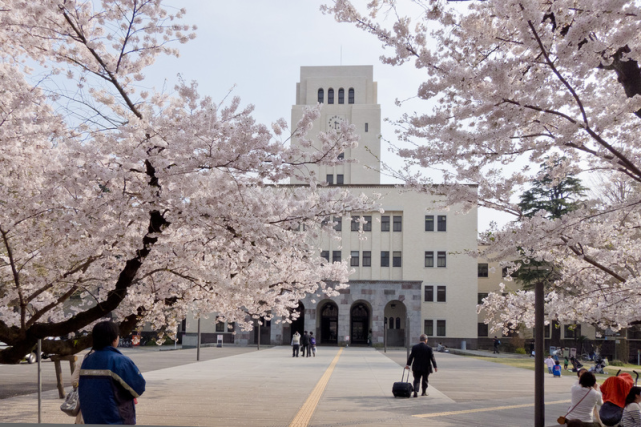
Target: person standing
x: 312, y: 343
x: 496, y: 344
x: 421, y: 360
x: 305, y: 344
x: 549, y: 362
x: 109, y: 381
x: 295, y: 344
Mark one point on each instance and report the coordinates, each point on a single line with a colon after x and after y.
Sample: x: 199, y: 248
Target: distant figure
x: 421, y: 360
x: 369, y: 338
x: 566, y: 362
x: 312, y: 343
x: 109, y: 381
x: 496, y: 343
x: 549, y: 362
x: 295, y: 344
x: 304, y: 341
x: 556, y: 369
x: 532, y: 349
x: 632, y: 411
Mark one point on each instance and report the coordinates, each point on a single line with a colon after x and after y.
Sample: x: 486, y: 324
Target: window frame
x: 439, y: 258
x: 355, y: 225
x: 220, y: 326
x: 384, y: 258
x: 325, y: 255
x: 399, y: 222
x: 480, y: 296
x: 341, y: 95
x: 351, y: 95
x: 385, y: 223
x: 354, y: 261
x: 366, y: 127
x: 439, y: 223
x: 340, y: 179
x: 321, y: 96
x: 339, y: 223
x: 428, y: 293
x: 330, y: 96
x: 440, y: 322
x: 368, y: 225
x: 428, y: 327
x: 430, y: 258
x: 483, y: 269
x: 441, y: 290
x: 340, y: 256
x: 397, y: 258
x: 482, y: 330
x: 329, y: 179
x: 429, y: 223
x: 367, y: 258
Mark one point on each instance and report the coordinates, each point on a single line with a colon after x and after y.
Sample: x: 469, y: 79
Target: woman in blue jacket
x: 109, y: 381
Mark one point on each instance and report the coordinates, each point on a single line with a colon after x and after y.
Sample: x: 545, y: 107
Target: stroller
x: 599, y: 364
x: 615, y: 389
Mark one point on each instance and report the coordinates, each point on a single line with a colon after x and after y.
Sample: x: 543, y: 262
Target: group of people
x: 107, y: 381
x: 586, y: 396
x: 305, y: 343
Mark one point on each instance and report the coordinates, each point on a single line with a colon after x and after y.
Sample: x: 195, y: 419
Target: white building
x: 412, y: 264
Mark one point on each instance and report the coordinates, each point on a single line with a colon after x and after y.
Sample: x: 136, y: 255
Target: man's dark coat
x: 423, y: 358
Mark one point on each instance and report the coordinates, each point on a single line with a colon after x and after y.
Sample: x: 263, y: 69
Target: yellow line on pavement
x: 305, y: 413
x: 496, y: 408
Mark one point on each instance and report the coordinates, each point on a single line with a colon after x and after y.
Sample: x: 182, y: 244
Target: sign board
x: 347, y: 338
x: 219, y: 340
x: 219, y: 337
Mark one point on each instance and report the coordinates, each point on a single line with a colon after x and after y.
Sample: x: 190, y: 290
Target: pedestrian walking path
x: 339, y: 387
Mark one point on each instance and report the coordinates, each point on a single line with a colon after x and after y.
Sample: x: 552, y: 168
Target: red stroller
x: 614, y: 390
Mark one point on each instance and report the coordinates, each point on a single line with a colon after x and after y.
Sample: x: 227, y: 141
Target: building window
x: 336, y: 256
x: 429, y: 259
x: 339, y: 223
x: 546, y: 331
x: 355, y: 223
x: 441, y: 259
x: 484, y: 270
x: 339, y: 179
x: 429, y: 222
x: 396, y: 259
x: 350, y: 95
x: 341, y: 156
x: 367, y: 258
x: 572, y: 331
x: 442, y: 223
x: 321, y: 95
x: 330, y: 96
x: 384, y: 258
x: 220, y: 327
x: 391, y: 323
x: 231, y: 326
x: 440, y: 328
x: 428, y: 328
x: 366, y: 127
x: 368, y: 225
x: 398, y: 323
x: 341, y: 96
x: 429, y: 293
x: 353, y: 261
x: 440, y: 294
x: 398, y: 223
x: 481, y: 296
x: 330, y: 179
x: 504, y: 272
x: 325, y: 254
x: 385, y: 223
x: 483, y: 330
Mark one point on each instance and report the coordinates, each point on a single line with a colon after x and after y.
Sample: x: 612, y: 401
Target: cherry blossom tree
x: 510, y: 83
x: 139, y: 204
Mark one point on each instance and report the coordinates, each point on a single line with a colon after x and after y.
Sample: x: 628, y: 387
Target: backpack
x: 312, y: 341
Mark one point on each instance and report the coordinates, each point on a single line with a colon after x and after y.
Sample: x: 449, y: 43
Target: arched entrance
x: 297, y: 325
x: 359, y: 318
x: 329, y: 323
x: 395, y: 319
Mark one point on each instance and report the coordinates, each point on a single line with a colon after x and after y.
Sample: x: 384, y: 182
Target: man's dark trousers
x: 418, y: 375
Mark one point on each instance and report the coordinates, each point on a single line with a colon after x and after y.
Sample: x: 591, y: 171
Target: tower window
x: 351, y: 95
x: 341, y: 96
x: 321, y: 95
x: 330, y: 179
x: 339, y: 179
x: 366, y: 127
x: 330, y: 96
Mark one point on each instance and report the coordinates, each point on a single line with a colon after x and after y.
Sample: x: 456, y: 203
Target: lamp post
x: 198, y: 345
x: 385, y: 335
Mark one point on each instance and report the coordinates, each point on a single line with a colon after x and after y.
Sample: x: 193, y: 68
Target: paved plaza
x: 340, y: 387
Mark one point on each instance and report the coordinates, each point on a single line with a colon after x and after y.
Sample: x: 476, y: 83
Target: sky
x: 257, y: 48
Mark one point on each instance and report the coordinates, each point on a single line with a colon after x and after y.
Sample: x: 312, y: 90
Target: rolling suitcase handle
x: 403, y: 376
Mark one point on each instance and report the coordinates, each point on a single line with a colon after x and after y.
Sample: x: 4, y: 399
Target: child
x: 566, y: 362
x: 312, y: 343
x: 556, y: 370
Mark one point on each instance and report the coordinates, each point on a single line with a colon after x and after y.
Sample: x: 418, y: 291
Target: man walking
x: 421, y: 360
x: 304, y: 343
x: 496, y: 343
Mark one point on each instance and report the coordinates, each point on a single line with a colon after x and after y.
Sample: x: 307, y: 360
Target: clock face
x: 334, y: 122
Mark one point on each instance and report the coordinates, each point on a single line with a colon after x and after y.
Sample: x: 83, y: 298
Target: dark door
x: 329, y: 324
x: 360, y: 324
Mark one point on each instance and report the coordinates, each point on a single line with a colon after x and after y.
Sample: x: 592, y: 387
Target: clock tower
x: 348, y: 94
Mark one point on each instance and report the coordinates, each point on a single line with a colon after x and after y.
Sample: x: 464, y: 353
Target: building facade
x: 411, y: 273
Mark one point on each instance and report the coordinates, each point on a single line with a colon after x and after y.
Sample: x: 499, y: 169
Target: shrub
x: 520, y: 350
x: 615, y: 363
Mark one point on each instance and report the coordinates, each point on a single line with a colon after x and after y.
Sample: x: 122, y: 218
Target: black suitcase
x: 403, y: 388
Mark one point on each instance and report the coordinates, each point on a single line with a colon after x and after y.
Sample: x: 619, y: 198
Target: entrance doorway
x: 360, y: 323
x: 297, y: 325
x: 329, y: 323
